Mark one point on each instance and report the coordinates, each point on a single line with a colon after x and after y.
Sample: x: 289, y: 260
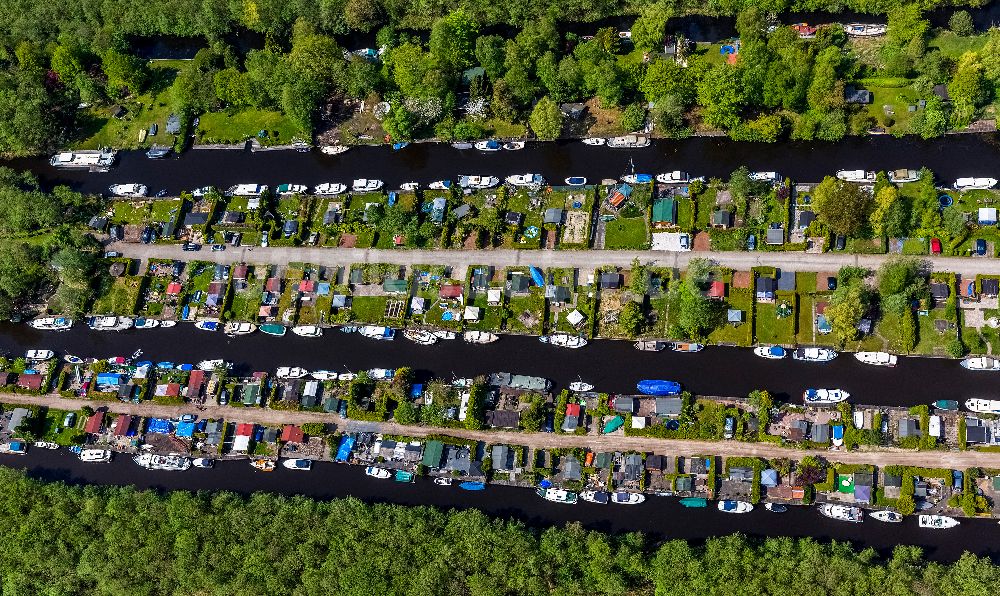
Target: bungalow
x: 123, y: 425
x: 976, y: 433
x: 95, y: 423
x: 988, y: 216
x: 240, y: 272
x: 292, y: 434
x: 633, y: 467
x: 458, y: 459
x: 418, y: 305
x: 858, y: 95
x: 863, y: 482
x: 502, y: 458
x: 573, y: 111
x: 740, y: 474
x: 990, y: 287
x: 338, y: 301
x: 433, y: 453
x: 722, y: 219
x: 683, y: 484
x: 619, y: 196
x: 195, y: 218
x: 273, y: 284
x: 716, y: 290
x: 481, y: 278
x: 797, y: 430
x: 195, y: 382
x: 174, y: 288
x: 270, y: 435
x: 553, y: 216
x: 786, y: 281
x: 17, y: 417
x: 167, y: 390
x: 571, y: 469
x: 233, y: 217
x: 558, y: 294
x: 775, y: 235
x: 764, y: 289
x: 734, y: 316
x: 655, y: 464
x: 940, y: 291
x: 213, y: 432
x: 572, y: 420
x: 513, y: 218
x: 503, y: 418
x: 804, y: 219
x: 472, y: 313
x: 438, y: 207
x: 610, y: 280
x: 461, y: 211
x: 310, y: 394
x: 769, y: 478
x: 450, y: 291
x: 603, y: 461
x: 664, y: 213
x: 494, y: 296
x: 519, y: 283
x: 30, y: 381
x: 668, y: 407
x: 821, y: 433
x: 892, y: 485
x: 625, y: 404
x: 908, y: 427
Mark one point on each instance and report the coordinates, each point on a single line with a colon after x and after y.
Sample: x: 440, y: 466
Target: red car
x: 935, y: 246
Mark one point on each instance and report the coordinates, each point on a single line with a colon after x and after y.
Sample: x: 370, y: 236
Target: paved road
x: 881, y: 456
x: 460, y: 260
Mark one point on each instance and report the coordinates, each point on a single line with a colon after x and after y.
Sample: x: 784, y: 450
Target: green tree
x: 362, y: 15
x: 697, y: 314
x: 631, y: 318
x: 722, y: 96
x: 665, y: 78
x: 453, y: 40
x: 847, y: 307
x: 885, y: 202
x: 634, y: 117
x: 960, y: 23
x: 648, y: 29
x: 968, y: 87
x: 126, y: 73
x: 546, y: 119
x: 490, y: 55
x: 842, y: 206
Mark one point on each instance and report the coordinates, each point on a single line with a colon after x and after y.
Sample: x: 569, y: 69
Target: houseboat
x: 480, y: 337
x: 247, y: 190
x: 236, y: 328
x: 824, y: 397
x: 477, y: 182
x: 937, y: 522
x: 307, y: 330
x: 674, y: 177
x: 489, y: 146
x: 558, y: 495
x: 173, y: 463
x: 110, y: 323
x: 366, y: 185
x: 770, y: 352
x: 981, y: 363
x: 96, y: 160
x: 564, y: 340
x: 632, y: 141
x: 51, y: 323
x: 262, y: 465
x: 864, y: 29
x: 814, y: 354
x: 983, y: 406
x: 275, y: 329
x: 877, y: 358
x: 627, y: 498
x: 377, y: 472
x: 128, y: 190
x: 420, y: 336
x: 290, y: 372
x: 329, y: 189
x: 975, y: 183
x: 525, y: 180
x: 735, y: 507
x: 685, y: 346
x: 650, y: 345
x: 842, y: 512
x: 889, y: 517
x: 378, y: 332
x: 291, y: 189
x: 300, y: 464
x: 904, y: 176
x: 857, y: 176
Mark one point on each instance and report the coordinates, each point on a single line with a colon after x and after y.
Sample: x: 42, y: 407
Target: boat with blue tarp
x: 658, y: 387
x: 472, y: 485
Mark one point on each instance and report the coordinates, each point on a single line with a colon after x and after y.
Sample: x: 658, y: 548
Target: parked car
x: 313, y: 238
x: 189, y: 246
x: 730, y: 428
x: 935, y: 246
x: 224, y: 397
x: 263, y: 239
x: 840, y: 243
x: 147, y: 235
x: 237, y: 237
x: 981, y: 247
x: 342, y: 408
x: 178, y: 268
x: 751, y: 242
x: 69, y: 419
x: 218, y: 247
x: 831, y: 283
x: 116, y: 232
x: 112, y: 254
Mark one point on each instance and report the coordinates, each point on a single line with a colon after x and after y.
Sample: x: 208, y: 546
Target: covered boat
x: 378, y: 332
x: 291, y: 189
x: 694, y: 502
x: 575, y: 181
x: 207, y: 325
x: 472, y: 485
x: 770, y: 352
x: 489, y: 146
x: 51, y: 323
x: 594, y: 496
x: 949, y: 405
x: 735, y: 507
x: 637, y: 178
x: 658, y: 387
x: 857, y: 176
x: 775, y: 507
x: 824, y: 397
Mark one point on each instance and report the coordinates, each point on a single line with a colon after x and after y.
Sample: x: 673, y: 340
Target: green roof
x: 251, y: 394
x: 395, y: 286
x: 433, y: 452
x: 665, y: 210
x: 603, y: 460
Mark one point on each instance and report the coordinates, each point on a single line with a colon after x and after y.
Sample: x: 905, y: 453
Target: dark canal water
x: 612, y: 366
x: 949, y: 157
x: 659, y: 517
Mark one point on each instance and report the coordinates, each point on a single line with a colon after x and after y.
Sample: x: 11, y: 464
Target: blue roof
x: 345, y: 447
x: 185, y: 429
x: 160, y: 425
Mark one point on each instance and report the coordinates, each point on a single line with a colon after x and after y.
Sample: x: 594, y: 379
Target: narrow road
x: 881, y: 456
x: 460, y: 260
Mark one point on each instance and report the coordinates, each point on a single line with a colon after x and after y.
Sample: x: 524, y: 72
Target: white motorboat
x: 877, y: 358
x: 144, y: 323
x: 442, y: 481
x: 167, y: 324
x: 376, y: 472
x: 558, y: 495
x: 937, y: 522
x: 824, y: 397
x: 444, y: 334
x: 775, y: 507
x: 631, y: 141
x: 203, y: 462
x: 45, y: 445
x: 329, y: 189
x: 424, y: 338
x: 597, y: 497
x: 674, y: 177
x: 324, y: 375
x: 904, y: 176
x: 858, y: 418
x: 622, y: 497
x: 39, y: 355
x: 381, y: 374
x: 463, y: 383
x: 637, y: 178
x: 594, y: 141
x: 857, y: 176
x: 95, y: 455
x: 207, y: 325
x: 348, y: 376
x: 975, y: 183
x: 650, y: 345
x: 575, y: 181
x: 814, y: 354
x: 513, y: 145
x: 489, y: 146
x: 842, y: 512
x: 440, y: 185
x: 580, y: 386
x: 983, y: 406
x: 366, y: 185
x: 409, y: 186
x: 300, y: 464
x: 307, y: 330
x: 477, y: 182
x: 770, y: 352
x: 202, y: 191
x: 334, y: 149
x: 236, y: 328
x: 525, y: 180
x: 735, y: 507
x: 109, y: 323
x: 247, y: 190
x: 377, y: 332
x: 290, y: 372
x: 284, y: 190
x: 210, y: 365
x: 480, y: 337
x: 89, y: 159
x: 71, y: 359
x: 771, y: 177
x: 563, y: 340
x: 864, y: 29
x: 128, y: 190
x: 981, y: 363
x: 51, y: 323
x: 889, y: 517
x: 170, y: 463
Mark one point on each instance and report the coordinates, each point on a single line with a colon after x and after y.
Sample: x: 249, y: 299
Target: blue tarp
x: 417, y: 390
x: 658, y: 387
x: 345, y: 447
x: 160, y: 425
x: 185, y: 429
x: 110, y: 379
x: 536, y: 276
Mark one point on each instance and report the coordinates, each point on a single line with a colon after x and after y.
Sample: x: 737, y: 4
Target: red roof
x: 307, y: 285
x: 244, y: 430
x: 573, y: 410
x: 617, y: 199
x: 33, y: 381
x: 240, y: 272
x: 173, y: 390
x: 820, y: 307
x: 450, y: 291
x: 717, y: 289
x: 259, y: 375
x: 94, y: 423
x: 196, y: 380
x: 174, y: 288
x: 273, y: 284
x: 122, y: 425
x: 292, y: 434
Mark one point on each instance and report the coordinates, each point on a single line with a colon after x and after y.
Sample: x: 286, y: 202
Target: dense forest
x: 109, y: 540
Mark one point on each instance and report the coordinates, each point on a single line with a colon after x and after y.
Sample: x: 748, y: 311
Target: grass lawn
x: 52, y: 428
x: 685, y: 214
x: 706, y: 204
x: 530, y: 306
x: 626, y: 233
x: 166, y: 210
x: 128, y: 212
x: 807, y: 329
x: 492, y: 319
x: 915, y: 246
x: 805, y: 282
x: 220, y: 127
x: 773, y: 330
x: 246, y: 303
x: 504, y: 129
x: 368, y: 309
x: 121, y: 296
x: 742, y: 334
x: 897, y: 98
x: 101, y: 129
x: 931, y: 341
x: 953, y: 46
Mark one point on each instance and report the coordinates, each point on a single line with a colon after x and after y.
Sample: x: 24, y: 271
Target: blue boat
x: 392, y: 198
x: 658, y: 387
x: 400, y: 145
x: 537, y: 276
x: 164, y: 365
x: 469, y: 485
x: 185, y: 312
x: 185, y: 367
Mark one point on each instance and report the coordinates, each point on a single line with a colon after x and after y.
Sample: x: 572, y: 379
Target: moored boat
x: 420, y: 336
x: 489, y: 146
x: 275, y: 329
x: 51, y: 323
x: 404, y: 476
x: 472, y: 485
x: 39, y: 355
x: 686, y: 346
x: 842, y: 512
x: 824, y: 397
x: 477, y: 182
x: 735, y: 506
x: 904, y: 176
x: 207, y: 325
x: 263, y: 465
x: 246, y: 190
x: 770, y: 352
x: 88, y: 159
x: 444, y: 334
x: 209, y: 365
x: 513, y: 145
x: 580, y: 386
x: 948, y: 405
x: 857, y: 176
x: 983, y: 406
x: 598, y: 497
x: 775, y: 507
x: 694, y: 502
x: 558, y: 495
x: 71, y: 359
x: 378, y: 332
x: 307, y: 330
x: 324, y: 375
x: 864, y: 29
x: 440, y: 185
x: 480, y: 337
x: 575, y: 181
x: 290, y: 372
x: 366, y: 185
x: 658, y: 387
x: 637, y: 178
x: 594, y: 141
x: 564, y: 340
x: 889, y: 517
x: 110, y: 323
x: 94, y: 455
x: 283, y: 190
x: 937, y: 522
x: 132, y: 190
x: 877, y: 358
x: 167, y: 324
x: 650, y: 345
x: 622, y: 497
x: 303, y: 465
x: 333, y: 149
x: 814, y: 354
x: 674, y: 177
x: 981, y: 363
x: 630, y: 141
x: 171, y: 463
x: 525, y: 180
x: 329, y: 189
x: 203, y: 462
x: 442, y: 481
x: 377, y: 472
x: 237, y: 328
x: 144, y: 323
x: 409, y: 186
x: 975, y: 183
x: 45, y: 445
x: 381, y: 374
x: 771, y: 177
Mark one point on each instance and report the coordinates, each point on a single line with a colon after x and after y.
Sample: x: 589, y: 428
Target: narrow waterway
x: 949, y: 157
x: 612, y: 366
x: 660, y: 517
